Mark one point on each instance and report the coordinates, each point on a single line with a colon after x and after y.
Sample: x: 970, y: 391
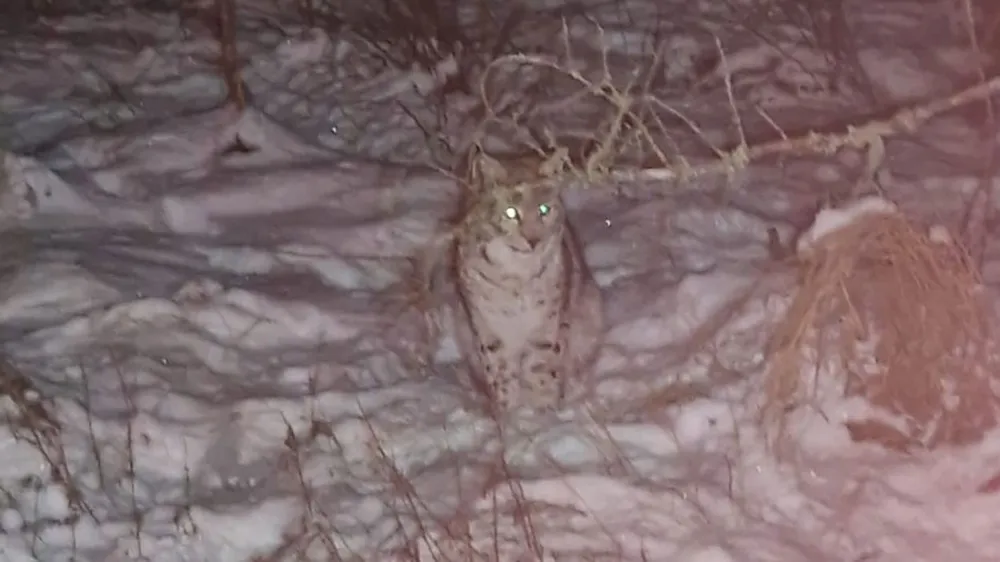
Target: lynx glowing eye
x: 511, y: 213
x: 544, y: 209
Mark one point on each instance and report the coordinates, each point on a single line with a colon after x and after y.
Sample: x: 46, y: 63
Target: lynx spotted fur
x: 533, y: 310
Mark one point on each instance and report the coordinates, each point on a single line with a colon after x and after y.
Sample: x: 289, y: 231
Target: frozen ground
x: 220, y: 358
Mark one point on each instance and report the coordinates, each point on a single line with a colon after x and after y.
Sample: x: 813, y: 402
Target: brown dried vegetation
x: 909, y: 324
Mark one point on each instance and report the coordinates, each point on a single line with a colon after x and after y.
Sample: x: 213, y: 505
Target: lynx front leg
x: 544, y: 371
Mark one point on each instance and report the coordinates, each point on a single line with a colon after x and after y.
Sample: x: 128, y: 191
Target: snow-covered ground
x: 212, y: 356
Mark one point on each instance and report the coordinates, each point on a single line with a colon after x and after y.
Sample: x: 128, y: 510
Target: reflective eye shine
x: 511, y: 213
x: 544, y: 209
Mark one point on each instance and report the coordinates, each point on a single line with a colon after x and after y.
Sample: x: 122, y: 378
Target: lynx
x: 533, y: 312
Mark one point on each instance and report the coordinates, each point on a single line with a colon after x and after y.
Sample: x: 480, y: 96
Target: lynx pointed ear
x: 487, y: 169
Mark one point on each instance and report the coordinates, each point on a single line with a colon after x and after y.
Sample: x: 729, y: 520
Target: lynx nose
x: 532, y: 233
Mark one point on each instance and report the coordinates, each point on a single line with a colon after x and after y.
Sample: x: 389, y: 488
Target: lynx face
x: 526, y: 218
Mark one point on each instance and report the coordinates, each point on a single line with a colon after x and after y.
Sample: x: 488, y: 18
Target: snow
x: 220, y: 362
x: 828, y: 221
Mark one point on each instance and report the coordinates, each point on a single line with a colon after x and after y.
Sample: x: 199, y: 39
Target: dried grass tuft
x: 906, y: 317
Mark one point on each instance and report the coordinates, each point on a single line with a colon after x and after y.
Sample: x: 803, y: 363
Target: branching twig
x: 977, y: 216
x: 229, y: 58
x: 906, y: 120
